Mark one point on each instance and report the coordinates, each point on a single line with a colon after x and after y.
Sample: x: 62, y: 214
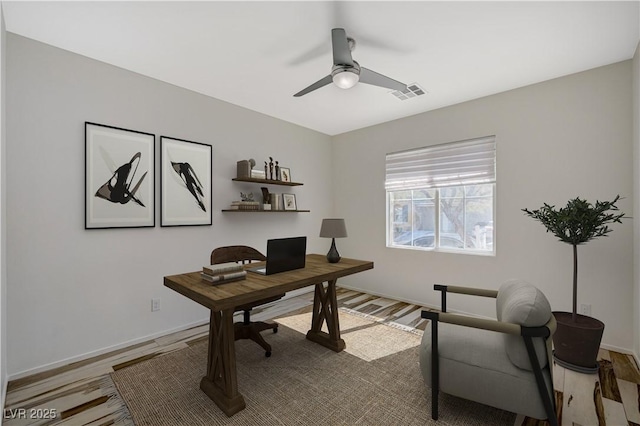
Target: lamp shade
x: 333, y: 228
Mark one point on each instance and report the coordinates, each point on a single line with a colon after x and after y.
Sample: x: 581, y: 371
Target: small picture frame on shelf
x: 289, y: 202
x: 285, y: 174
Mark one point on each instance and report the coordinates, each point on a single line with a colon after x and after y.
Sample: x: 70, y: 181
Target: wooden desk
x: 221, y: 382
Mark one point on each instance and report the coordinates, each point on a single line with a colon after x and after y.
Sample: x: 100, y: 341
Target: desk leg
x: 221, y: 382
x: 325, y: 308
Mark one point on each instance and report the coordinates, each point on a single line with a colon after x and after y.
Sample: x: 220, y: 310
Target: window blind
x: 466, y: 162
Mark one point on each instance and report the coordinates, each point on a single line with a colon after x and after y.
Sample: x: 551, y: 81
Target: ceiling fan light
x: 345, y: 79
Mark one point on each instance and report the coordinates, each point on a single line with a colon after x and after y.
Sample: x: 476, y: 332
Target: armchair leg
x: 435, y: 364
x: 548, y: 404
x: 435, y: 369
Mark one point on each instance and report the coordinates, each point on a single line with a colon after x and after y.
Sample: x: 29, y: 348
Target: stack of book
x: 258, y: 174
x: 223, y: 273
x: 245, y: 205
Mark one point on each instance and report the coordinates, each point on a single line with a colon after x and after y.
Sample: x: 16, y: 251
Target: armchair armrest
x: 481, y: 323
x: 492, y: 325
x: 462, y: 290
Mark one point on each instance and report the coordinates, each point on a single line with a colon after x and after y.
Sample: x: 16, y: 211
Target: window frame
x: 390, y: 214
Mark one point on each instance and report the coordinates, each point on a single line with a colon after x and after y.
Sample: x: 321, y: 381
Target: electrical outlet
x: 585, y: 309
x: 155, y: 305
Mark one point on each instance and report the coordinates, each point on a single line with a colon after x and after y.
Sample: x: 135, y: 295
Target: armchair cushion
x: 521, y: 303
x: 475, y: 366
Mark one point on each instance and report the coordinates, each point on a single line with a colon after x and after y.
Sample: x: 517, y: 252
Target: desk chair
x: 247, y: 329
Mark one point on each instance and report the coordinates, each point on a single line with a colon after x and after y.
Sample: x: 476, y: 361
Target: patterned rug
x: 376, y: 381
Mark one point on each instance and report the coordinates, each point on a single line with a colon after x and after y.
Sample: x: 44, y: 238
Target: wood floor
x: 83, y: 393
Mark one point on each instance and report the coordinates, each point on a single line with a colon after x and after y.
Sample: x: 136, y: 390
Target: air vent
x: 413, y: 90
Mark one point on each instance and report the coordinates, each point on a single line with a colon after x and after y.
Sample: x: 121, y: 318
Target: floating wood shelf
x: 268, y: 182
x: 266, y: 211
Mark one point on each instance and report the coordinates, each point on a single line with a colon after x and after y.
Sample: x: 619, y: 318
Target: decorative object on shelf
x: 577, y: 338
x: 266, y: 170
x: 285, y: 174
x: 119, y: 177
x: 243, y: 169
x: 289, y: 201
x: 271, y: 168
x: 277, y: 171
x: 266, y: 199
x: 276, y: 201
x: 246, y: 197
x: 333, y: 228
x: 185, y: 180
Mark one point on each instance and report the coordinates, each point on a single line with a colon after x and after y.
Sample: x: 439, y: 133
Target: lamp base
x: 333, y: 256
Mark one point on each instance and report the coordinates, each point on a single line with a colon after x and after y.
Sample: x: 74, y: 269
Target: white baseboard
x: 101, y: 351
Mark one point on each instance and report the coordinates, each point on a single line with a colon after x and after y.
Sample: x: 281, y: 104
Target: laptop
x: 283, y: 254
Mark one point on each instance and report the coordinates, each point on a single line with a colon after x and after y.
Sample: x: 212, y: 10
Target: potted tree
x: 577, y: 338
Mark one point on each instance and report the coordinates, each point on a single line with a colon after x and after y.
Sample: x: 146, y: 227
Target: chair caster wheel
x: 275, y: 330
x: 267, y: 354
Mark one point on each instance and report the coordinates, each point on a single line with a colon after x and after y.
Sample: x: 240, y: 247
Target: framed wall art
x: 185, y: 182
x: 285, y: 174
x: 289, y: 201
x: 119, y: 177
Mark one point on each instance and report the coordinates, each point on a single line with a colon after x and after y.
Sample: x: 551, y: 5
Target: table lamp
x: 333, y: 228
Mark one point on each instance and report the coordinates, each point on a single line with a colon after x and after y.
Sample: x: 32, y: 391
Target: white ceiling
x: 258, y: 54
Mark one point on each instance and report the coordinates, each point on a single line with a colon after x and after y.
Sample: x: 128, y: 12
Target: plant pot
x: 576, y: 344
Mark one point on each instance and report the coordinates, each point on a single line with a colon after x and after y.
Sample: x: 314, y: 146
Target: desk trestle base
x: 221, y: 382
x: 325, y: 308
x: 324, y: 339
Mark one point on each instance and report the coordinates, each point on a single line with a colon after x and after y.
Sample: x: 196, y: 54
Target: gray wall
x: 636, y: 204
x: 556, y: 140
x: 77, y: 292
x: 3, y: 215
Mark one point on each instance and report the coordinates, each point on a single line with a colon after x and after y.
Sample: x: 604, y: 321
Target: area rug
x: 376, y: 381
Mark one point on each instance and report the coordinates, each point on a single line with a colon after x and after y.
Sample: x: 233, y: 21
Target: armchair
x: 505, y: 363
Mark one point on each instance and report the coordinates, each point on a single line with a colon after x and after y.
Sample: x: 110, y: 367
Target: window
x: 442, y: 197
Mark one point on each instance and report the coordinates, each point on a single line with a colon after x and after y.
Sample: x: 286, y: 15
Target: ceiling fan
x: 346, y: 72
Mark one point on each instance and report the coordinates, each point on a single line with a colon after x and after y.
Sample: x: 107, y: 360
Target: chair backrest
x: 241, y: 254
x: 521, y: 303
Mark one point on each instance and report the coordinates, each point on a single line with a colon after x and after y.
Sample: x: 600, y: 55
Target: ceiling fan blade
x: 315, y: 52
x: 372, y: 77
x: 318, y: 84
x: 341, y: 51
